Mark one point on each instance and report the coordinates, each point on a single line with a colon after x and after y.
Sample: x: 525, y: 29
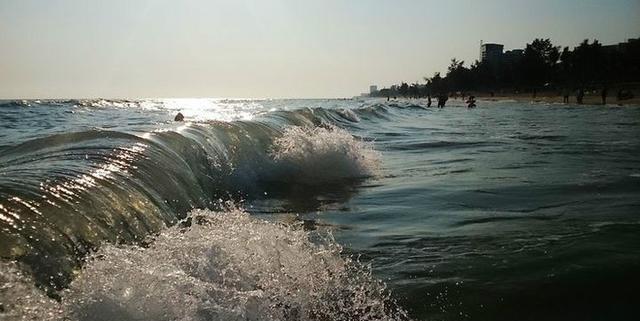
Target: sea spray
x: 224, y: 266
x: 21, y: 300
x: 322, y: 154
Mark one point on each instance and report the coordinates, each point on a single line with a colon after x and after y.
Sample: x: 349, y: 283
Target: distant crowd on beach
x: 621, y: 95
x: 443, y: 98
x: 580, y: 96
x: 569, y: 96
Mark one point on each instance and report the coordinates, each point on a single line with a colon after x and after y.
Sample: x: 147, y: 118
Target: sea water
x: 357, y: 209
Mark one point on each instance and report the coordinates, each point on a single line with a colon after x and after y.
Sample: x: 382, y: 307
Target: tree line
x: 542, y: 67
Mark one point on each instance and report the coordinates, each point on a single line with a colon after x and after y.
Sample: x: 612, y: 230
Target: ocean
x: 318, y: 209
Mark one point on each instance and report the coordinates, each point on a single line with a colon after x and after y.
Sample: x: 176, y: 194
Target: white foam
x: 322, y: 154
x: 21, y: 300
x: 229, y: 267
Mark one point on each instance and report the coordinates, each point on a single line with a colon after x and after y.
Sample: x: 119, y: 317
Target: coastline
x: 589, y: 99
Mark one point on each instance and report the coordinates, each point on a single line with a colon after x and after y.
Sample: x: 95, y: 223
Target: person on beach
x: 580, y: 96
x: 603, y: 95
x: 429, y: 100
x: 179, y: 117
x: 565, y: 96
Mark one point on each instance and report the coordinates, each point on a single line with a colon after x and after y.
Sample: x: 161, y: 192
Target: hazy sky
x: 279, y: 48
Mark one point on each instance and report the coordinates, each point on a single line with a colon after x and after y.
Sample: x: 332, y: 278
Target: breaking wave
x: 215, y: 266
x: 64, y: 196
x: 320, y: 155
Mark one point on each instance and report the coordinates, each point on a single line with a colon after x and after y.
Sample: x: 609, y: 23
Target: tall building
x: 511, y: 57
x: 491, y: 52
x: 494, y: 54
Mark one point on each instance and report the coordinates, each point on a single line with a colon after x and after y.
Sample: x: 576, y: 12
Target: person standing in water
x: 442, y: 100
x: 471, y: 102
x: 429, y: 100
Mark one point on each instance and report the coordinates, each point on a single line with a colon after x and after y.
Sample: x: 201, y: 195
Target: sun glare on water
x: 205, y: 109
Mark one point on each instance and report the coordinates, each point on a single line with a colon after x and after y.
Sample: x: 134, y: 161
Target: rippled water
x: 507, y: 211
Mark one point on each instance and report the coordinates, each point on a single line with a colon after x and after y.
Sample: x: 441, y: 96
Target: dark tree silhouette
x: 539, y: 62
x: 436, y: 84
x: 542, y: 65
x: 404, y: 89
x: 588, y: 62
x: 414, y: 90
x: 458, y: 76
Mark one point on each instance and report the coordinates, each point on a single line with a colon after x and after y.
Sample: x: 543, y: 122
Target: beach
x: 591, y: 98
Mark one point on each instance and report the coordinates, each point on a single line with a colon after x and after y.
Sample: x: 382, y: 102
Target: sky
x: 271, y: 48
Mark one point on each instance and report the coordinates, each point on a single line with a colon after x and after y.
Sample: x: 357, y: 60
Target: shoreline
x: 589, y: 100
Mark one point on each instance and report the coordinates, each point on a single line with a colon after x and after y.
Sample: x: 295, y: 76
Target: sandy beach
x: 553, y: 98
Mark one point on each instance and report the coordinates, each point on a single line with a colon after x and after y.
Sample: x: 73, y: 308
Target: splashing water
x: 21, y: 300
x: 322, y: 154
x: 225, y: 266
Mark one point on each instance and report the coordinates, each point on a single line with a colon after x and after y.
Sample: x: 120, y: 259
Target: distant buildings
x: 494, y: 54
x: 512, y: 56
x: 491, y: 52
x: 373, y: 91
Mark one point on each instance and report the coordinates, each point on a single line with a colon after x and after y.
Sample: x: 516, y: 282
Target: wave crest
x: 322, y: 154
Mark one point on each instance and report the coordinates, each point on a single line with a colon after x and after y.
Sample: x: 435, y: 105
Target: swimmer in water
x: 179, y: 117
x: 471, y: 102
